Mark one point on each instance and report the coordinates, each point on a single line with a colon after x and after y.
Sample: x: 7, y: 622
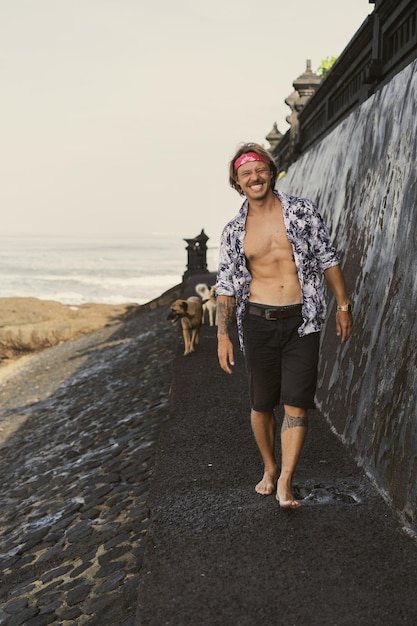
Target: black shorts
x: 281, y: 365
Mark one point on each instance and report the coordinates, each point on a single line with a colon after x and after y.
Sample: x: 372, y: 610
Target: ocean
x: 109, y: 269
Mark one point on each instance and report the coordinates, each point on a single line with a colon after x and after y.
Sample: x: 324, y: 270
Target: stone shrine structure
x: 197, y: 255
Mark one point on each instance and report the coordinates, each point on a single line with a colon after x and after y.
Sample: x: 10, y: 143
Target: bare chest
x: 267, y: 238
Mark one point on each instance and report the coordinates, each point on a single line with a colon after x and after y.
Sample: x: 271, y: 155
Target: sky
x: 121, y: 116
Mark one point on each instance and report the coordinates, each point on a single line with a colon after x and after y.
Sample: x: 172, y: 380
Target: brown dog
x: 190, y: 312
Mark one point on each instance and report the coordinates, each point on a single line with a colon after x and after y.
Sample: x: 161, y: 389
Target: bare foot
x: 285, y: 497
x: 267, y: 485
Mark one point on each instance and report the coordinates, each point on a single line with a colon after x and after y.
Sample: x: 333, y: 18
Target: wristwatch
x: 345, y: 307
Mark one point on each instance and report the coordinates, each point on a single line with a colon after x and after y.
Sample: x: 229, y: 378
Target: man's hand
x: 344, y: 325
x: 225, y: 353
x: 225, y: 311
x: 344, y: 320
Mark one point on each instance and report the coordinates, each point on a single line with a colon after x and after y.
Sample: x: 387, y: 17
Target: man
x: 272, y: 257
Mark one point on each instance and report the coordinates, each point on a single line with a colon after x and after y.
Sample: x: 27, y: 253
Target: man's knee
x: 262, y: 414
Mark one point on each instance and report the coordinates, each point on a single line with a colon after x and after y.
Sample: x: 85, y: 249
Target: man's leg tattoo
x: 291, y: 421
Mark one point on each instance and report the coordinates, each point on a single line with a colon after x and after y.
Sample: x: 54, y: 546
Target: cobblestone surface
x: 79, y: 426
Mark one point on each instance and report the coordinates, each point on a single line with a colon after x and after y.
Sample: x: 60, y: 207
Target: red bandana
x: 247, y: 158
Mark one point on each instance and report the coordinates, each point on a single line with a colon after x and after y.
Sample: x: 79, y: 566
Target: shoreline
x: 29, y: 325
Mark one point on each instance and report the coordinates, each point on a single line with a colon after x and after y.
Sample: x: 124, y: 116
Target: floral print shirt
x: 313, y: 254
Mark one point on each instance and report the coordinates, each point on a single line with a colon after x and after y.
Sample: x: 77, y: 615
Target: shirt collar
x: 245, y: 206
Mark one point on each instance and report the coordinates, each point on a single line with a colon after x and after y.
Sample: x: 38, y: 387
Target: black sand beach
x: 80, y: 421
x: 128, y: 476
x: 218, y: 553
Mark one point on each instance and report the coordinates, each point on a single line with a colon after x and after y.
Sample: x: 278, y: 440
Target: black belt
x: 276, y: 313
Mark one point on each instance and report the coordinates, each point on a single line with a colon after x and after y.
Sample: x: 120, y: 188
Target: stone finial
x: 304, y: 87
x: 274, y: 136
x: 307, y: 83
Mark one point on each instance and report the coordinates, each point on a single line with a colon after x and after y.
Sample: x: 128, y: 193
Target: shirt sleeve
x: 225, y: 272
x: 325, y: 252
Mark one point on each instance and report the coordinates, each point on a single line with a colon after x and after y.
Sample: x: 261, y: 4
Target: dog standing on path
x: 208, y: 296
x: 190, y: 312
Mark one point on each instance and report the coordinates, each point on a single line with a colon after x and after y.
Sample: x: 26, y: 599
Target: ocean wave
x: 105, y: 281
x: 98, y: 270
x: 107, y: 291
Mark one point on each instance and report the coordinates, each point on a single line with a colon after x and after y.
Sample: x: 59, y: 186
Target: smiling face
x: 246, y: 154
x: 255, y: 180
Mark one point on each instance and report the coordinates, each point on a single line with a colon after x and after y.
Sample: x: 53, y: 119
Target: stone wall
x: 382, y: 47
x: 363, y: 177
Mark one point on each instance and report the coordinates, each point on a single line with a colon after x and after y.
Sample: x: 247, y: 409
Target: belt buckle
x: 268, y: 314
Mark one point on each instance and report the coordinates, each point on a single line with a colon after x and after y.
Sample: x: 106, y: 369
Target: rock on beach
x: 80, y: 421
